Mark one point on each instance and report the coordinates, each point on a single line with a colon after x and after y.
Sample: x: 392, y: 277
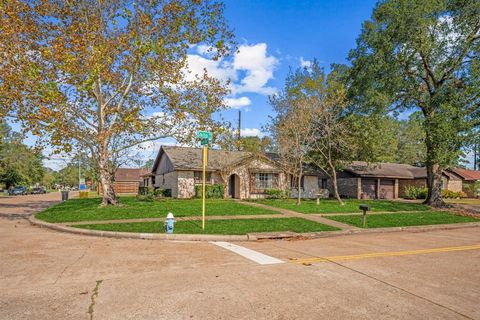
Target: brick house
x: 362, y: 180
x: 246, y: 174
x: 249, y: 175
x: 469, y: 180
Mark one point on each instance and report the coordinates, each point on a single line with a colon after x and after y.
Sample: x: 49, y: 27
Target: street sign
x: 204, y: 135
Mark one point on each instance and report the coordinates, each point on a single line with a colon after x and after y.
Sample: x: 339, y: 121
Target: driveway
x: 45, y: 274
x: 23, y: 206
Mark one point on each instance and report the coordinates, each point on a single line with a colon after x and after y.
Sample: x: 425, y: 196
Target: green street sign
x: 204, y: 135
x: 204, y: 142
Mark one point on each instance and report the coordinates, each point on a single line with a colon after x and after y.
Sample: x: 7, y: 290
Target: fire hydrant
x: 169, y: 223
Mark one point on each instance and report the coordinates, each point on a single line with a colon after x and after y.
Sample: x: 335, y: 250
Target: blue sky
x: 293, y: 32
x: 274, y: 36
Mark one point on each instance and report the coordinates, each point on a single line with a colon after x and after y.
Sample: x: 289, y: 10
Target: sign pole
x: 203, y: 185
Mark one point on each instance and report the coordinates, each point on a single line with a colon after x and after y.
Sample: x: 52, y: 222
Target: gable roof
x: 386, y: 170
x: 466, y: 174
x: 130, y: 174
x: 185, y: 158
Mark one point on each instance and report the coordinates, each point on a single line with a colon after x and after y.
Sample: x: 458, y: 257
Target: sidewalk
x: 290, y: 213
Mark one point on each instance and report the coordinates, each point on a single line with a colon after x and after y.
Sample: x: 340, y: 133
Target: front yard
x: 403, y: 219
x: 246, y: 218
x: 234, y: 227
x: 88, y: 209
x: 351, y: 205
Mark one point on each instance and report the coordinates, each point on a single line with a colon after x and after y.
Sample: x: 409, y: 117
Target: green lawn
x: 235, y: 227
x: 88, y: 209
x: 469, y: 201
x: 403, y: 219
x: 351, y: 205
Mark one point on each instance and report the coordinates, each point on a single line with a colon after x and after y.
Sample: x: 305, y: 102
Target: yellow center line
x: 383, y: 254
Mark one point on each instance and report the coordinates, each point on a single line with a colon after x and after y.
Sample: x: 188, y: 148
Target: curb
x: 249, y: 236
x: 133, y: 235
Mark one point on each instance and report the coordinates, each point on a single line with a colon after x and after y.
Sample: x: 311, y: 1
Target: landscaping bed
x: 224, y: 227
x: 351, y: 205
x: 89, y: 209
x: 403, y: 219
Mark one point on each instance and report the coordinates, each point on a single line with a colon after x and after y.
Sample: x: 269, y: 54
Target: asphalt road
x: 45, y: 274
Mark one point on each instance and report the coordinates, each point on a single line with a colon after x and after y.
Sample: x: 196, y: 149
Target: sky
x: 273, y: 37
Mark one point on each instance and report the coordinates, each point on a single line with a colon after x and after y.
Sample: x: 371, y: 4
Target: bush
x: 275, y: 194
x: 448, y: 194
x: 147, y: 198
x: 413, y: 192
x: 211, y: 191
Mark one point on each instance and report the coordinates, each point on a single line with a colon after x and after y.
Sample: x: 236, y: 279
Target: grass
x: 403, y: 219
x: 351, y: 205
x: 234, y: 227
x: 89, y: 210
x: 469, y: 201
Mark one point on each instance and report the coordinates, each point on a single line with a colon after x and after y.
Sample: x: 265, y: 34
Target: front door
x: 231, y: 186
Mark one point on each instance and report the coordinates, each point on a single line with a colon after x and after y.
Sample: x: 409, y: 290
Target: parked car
x: 19, y: 190
x: 38, y: 190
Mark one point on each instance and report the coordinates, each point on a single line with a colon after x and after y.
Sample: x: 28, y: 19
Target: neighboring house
x: 245, y: 174
x: 364, y: 180
x: 127, y: 180
x: 469, y: 180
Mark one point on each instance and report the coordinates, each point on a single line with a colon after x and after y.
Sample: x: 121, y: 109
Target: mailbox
x: 364, y: 207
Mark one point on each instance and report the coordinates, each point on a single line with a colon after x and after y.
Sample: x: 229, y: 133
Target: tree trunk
x: 434, y: 171
x: 434, y: 183
x: 106, y: 180
x: 299, y: 189
x: 335, y: 186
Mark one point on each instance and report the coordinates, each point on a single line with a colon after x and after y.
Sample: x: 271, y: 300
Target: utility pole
x: 239, y: 129
x: 476, y: 165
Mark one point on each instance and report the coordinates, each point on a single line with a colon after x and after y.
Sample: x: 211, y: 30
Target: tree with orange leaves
x: 106, y: 76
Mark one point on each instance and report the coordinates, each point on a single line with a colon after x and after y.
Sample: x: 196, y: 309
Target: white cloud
x: 219, y: 69
x: 237, y: 103
x: 251, y: 132
x: 305, y: 63
x: 249, y: 70
x: 259, y: 67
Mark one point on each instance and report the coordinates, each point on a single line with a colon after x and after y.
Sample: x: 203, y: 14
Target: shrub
x: 413, y: 192
x: 275, y: 194
x: 147, y: 198
x: 448, y: 194
x: 211, y: 191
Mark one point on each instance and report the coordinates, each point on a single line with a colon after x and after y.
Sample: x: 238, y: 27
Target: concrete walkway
x: 310, y: 217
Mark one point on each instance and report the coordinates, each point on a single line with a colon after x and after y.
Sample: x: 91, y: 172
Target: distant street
x: 23, y: 206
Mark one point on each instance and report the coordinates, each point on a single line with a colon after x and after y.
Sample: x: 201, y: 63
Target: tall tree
x: 19, y: 164
x: 105, y: 76
x: 423, y: 55
x: 292, y: 129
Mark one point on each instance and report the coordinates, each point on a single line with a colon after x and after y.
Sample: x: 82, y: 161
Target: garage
x: 387, y: 189
x: 369, y: 188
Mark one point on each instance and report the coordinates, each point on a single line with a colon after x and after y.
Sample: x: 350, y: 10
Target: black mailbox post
x: 364, y: 208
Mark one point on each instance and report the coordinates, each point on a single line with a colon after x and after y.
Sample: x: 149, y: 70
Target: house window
x: 153, y: 181
x: 294, y: 182
x: 264, y: 180
x: 198, y: 175
x: 322, y: 183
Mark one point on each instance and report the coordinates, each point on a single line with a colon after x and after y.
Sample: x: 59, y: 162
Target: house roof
x: 386, y: 170
x: 185, y: 158
x: 130, y: 174
x: 466, y: 174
